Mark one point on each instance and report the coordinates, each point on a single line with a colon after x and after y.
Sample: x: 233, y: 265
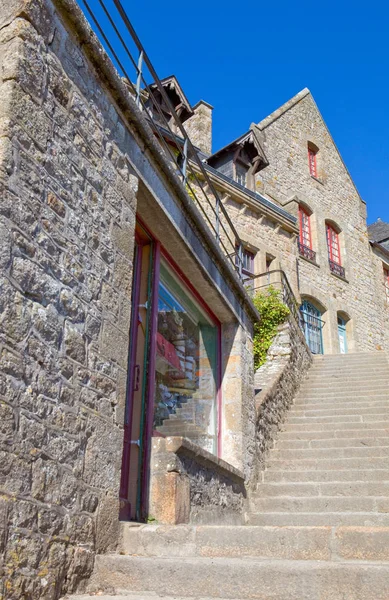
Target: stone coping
x: 181, y: 445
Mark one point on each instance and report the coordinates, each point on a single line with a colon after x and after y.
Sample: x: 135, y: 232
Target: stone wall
x: 330, y: 196
x: 276, y: 385
x: 67, y: 214
x: 190, y: 485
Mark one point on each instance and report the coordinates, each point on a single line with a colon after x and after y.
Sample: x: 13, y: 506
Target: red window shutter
x: 305, y: 228
x: 333, y: 245
x: 312, y: 162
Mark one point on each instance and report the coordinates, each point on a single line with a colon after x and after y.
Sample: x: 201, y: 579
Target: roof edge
x: 283, y: 109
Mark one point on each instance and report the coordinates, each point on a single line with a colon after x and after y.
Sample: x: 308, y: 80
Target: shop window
x: 186, y: 365
x: 386, y: 282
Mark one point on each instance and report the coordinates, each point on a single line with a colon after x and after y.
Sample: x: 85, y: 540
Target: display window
x: 186, y: 366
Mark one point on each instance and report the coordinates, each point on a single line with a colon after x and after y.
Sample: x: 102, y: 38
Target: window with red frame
x: 312, y: 162
x: 333, y: 245
x: 305, y: 228
x: 386, y: 281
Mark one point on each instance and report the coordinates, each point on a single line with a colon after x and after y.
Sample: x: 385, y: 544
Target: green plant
x: 273, y: 312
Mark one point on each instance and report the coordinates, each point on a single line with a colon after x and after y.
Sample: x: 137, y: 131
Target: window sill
x: 339, y: 277
x: 317, y: 179
x: 308, y: 260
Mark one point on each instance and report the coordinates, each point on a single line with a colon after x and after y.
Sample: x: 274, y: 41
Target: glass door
x: 312, y: 325
x: 342, y: 335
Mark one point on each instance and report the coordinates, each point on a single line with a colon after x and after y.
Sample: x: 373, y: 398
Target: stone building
x: 297, y: 210
x: 128, y: 260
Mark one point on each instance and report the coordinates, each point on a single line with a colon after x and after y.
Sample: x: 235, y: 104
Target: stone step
x: 323, y: 464
x: 327, y: 453
x: 333, y: 419
x: 316, y: 489
x: 330, y: 476
x: 293, y: 543
x: 350, y: 357
x: 381, y: 409
x: 332, y: 372
x: 257, y: 579
x: 227, y: 541
x: 353, y: 442
x: 351, y: 504
x: 316, y: 375
x: 333, y: 434
x: 123, y: 595
x: 336, y: 395
x: 338, y: 425
x: 324, y: 519
x: 343, y: 403
x: 341, y: 384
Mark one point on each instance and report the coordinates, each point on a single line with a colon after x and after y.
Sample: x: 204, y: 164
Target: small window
x: 305, y: 228
x: 312, y: 161
x: 333, y: 245
x: 240, y: 173
x: 247, y: 263
x: 386, y: 282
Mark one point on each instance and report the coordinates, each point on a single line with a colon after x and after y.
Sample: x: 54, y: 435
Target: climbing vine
x: 273, y: 312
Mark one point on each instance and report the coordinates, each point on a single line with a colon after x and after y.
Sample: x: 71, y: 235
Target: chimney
x: 199, y: 126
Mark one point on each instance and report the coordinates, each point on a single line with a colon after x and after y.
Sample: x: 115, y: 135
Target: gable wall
x: 333, y: 197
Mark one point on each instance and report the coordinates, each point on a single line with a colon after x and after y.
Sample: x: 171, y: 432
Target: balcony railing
x: 307, y: 252
x: 109, y: 20
x: 337, y: 269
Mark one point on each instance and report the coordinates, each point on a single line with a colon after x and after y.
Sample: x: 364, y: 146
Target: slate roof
x: 378, y: 231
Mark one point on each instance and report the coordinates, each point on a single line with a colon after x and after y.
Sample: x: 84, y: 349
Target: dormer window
x: 312, y: 159
x: 241, y: 160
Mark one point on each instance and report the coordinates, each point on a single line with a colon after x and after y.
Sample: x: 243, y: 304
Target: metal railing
x: 277, y: 279
x: 306, y: 252
x: 337, y: 269
x: 110, y: 22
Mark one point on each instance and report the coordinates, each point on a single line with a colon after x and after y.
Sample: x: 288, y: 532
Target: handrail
x: 288, y: 296
x: 200, y: 189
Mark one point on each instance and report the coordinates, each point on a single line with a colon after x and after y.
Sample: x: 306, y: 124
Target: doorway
x: 342, y: 334
x: 140, y: 386
x: 312, y: 325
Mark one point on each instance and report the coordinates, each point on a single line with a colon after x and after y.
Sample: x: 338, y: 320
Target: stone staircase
x: 318, y: 523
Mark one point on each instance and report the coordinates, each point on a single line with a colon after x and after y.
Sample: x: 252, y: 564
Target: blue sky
x: 248, y: 58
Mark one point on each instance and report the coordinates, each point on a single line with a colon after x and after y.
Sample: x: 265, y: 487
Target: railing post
x: 185, y: 162
x: 240, y: 254
x: 139, y: 77
x: 217, y: 219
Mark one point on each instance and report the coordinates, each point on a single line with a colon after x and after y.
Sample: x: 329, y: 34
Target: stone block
x: 170, y: 498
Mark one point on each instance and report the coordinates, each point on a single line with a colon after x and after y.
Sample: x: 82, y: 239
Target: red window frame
x: 305, y: 228
x: 312, y: 162
x: 386, y: 282
x: 333, y: 245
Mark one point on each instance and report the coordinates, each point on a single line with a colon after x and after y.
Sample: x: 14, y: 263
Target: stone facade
x: 67, y: 215
x: 76, y: 168
x: 330, y: 198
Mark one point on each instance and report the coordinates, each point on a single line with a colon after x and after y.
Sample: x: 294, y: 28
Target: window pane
x: 186, y: 366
